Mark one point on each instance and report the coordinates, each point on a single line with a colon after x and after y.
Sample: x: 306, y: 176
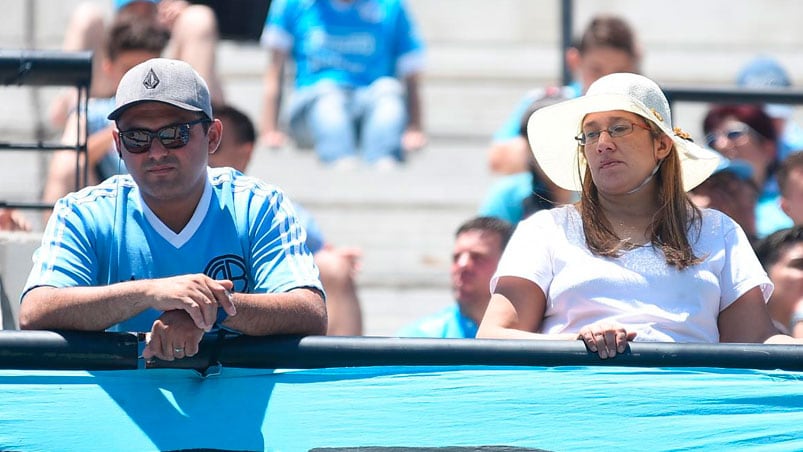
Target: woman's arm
x: 747, y: 320
x: 516, y: 310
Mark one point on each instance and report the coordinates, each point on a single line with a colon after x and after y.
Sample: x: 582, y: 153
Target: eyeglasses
x: 615, y: 131
x: 174, y: 136
x: 737, y: 134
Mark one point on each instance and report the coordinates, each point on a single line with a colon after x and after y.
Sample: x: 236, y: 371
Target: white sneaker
x: 346, y: 163
x: 387, y: 164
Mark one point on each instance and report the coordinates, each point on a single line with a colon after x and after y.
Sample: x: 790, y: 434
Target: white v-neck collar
x: 178, y: 240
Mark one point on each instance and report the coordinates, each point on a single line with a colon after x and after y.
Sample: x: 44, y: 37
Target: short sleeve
x: 742, y: 270
x: 528, y: 255
x: 277, y: 32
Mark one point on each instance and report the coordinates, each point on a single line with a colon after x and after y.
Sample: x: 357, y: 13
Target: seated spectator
x: 130, y: 41
x: 517, y: 196
x: 607, y: 45
x: 732, y: 191
x: 790, y: 184
x: 479, y: 243
x: 338, y: 266
x: 175, y: 248
x: 766, y: 72
x: 634, y: 259
x: 745, y: 132
x: 357, y: 66
x: 781, y: 254
x: 193, y: 38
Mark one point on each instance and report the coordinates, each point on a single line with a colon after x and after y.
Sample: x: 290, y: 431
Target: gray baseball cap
x: 172, y: 82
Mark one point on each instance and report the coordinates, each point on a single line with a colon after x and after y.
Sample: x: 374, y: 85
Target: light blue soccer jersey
x: 243, y: 230
x: 351, y: 44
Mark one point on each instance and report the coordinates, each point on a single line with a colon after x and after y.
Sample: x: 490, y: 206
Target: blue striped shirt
x: 243, y: 230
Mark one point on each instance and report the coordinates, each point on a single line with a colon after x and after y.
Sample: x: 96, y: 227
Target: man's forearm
x: 299, y: 311
x: 81, y: 308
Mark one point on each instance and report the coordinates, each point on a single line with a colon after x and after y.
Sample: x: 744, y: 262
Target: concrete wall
x: 15, y: 263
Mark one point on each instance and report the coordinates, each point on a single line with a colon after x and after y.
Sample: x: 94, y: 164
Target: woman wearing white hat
x: 634, y: 259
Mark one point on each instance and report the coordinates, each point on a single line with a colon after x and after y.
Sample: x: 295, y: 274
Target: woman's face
x: 738, y: 141
x: 622, y: 162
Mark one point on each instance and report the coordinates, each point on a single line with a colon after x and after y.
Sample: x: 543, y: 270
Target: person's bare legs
x: 85, y: 31
x: 194, y: 39
x: 342, y: 304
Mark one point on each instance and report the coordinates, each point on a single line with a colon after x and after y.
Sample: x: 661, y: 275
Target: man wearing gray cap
x: 174, y: 248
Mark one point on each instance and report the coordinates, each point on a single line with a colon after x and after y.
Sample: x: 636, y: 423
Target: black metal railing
x: 50, y: 68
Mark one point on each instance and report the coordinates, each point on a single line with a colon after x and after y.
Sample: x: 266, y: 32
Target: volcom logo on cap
x: 151, y: 81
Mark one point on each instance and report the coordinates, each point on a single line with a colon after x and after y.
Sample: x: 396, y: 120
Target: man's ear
x: 214, y: 135
x: 572, y: 59
x: 117, y: 144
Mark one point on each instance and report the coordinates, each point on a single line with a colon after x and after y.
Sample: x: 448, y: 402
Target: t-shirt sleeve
x: 277, y: 32
x: 409, y: 45
x: 315, y: 240
x: 742, y: 270
x: 280, y: 260
x: 512, y: 125
x: 65, y: 257
x: 528, y: 254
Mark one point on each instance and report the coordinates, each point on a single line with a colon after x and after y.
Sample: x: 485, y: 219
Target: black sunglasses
x: 174, y: 136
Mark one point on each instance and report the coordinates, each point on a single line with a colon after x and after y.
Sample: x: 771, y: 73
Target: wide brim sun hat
x: 551, y: 130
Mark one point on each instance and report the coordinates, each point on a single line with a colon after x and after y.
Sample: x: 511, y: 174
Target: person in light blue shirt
x: 357, y: 64
x: 479, y: 243
x: 174, y: 248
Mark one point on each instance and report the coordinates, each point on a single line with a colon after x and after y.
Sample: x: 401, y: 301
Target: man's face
x: 792, y: 199
x: 474, y: 260
x: 787, y: 275
x: 165, y: 174
x: 601, y: 61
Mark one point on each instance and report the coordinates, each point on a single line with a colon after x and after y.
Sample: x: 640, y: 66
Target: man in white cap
x: 174, y: 248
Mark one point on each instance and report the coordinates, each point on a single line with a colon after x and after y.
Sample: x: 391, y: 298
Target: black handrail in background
x: 734, y: 95
x: 45, y: 68
x: 51, y: 68
x: 48, y: 350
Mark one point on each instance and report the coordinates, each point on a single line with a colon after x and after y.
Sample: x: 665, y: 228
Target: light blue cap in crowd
x: 739, y: 168
x: 766, y: 72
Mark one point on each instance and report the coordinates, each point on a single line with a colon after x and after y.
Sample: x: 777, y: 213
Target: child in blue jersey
x: 350, y: 60
x: 174, y: 248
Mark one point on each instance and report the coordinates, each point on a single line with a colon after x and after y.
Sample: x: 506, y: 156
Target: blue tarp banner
x: 548, y: 408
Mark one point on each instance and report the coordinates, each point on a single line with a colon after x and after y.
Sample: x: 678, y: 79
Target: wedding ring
x: 178, y: 350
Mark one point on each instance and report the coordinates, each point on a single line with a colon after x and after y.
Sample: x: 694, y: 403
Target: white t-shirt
x: 637, y: 289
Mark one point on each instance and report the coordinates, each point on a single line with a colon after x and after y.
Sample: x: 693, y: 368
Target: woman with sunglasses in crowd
x: 746, y: 132
x: 634, y: 259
